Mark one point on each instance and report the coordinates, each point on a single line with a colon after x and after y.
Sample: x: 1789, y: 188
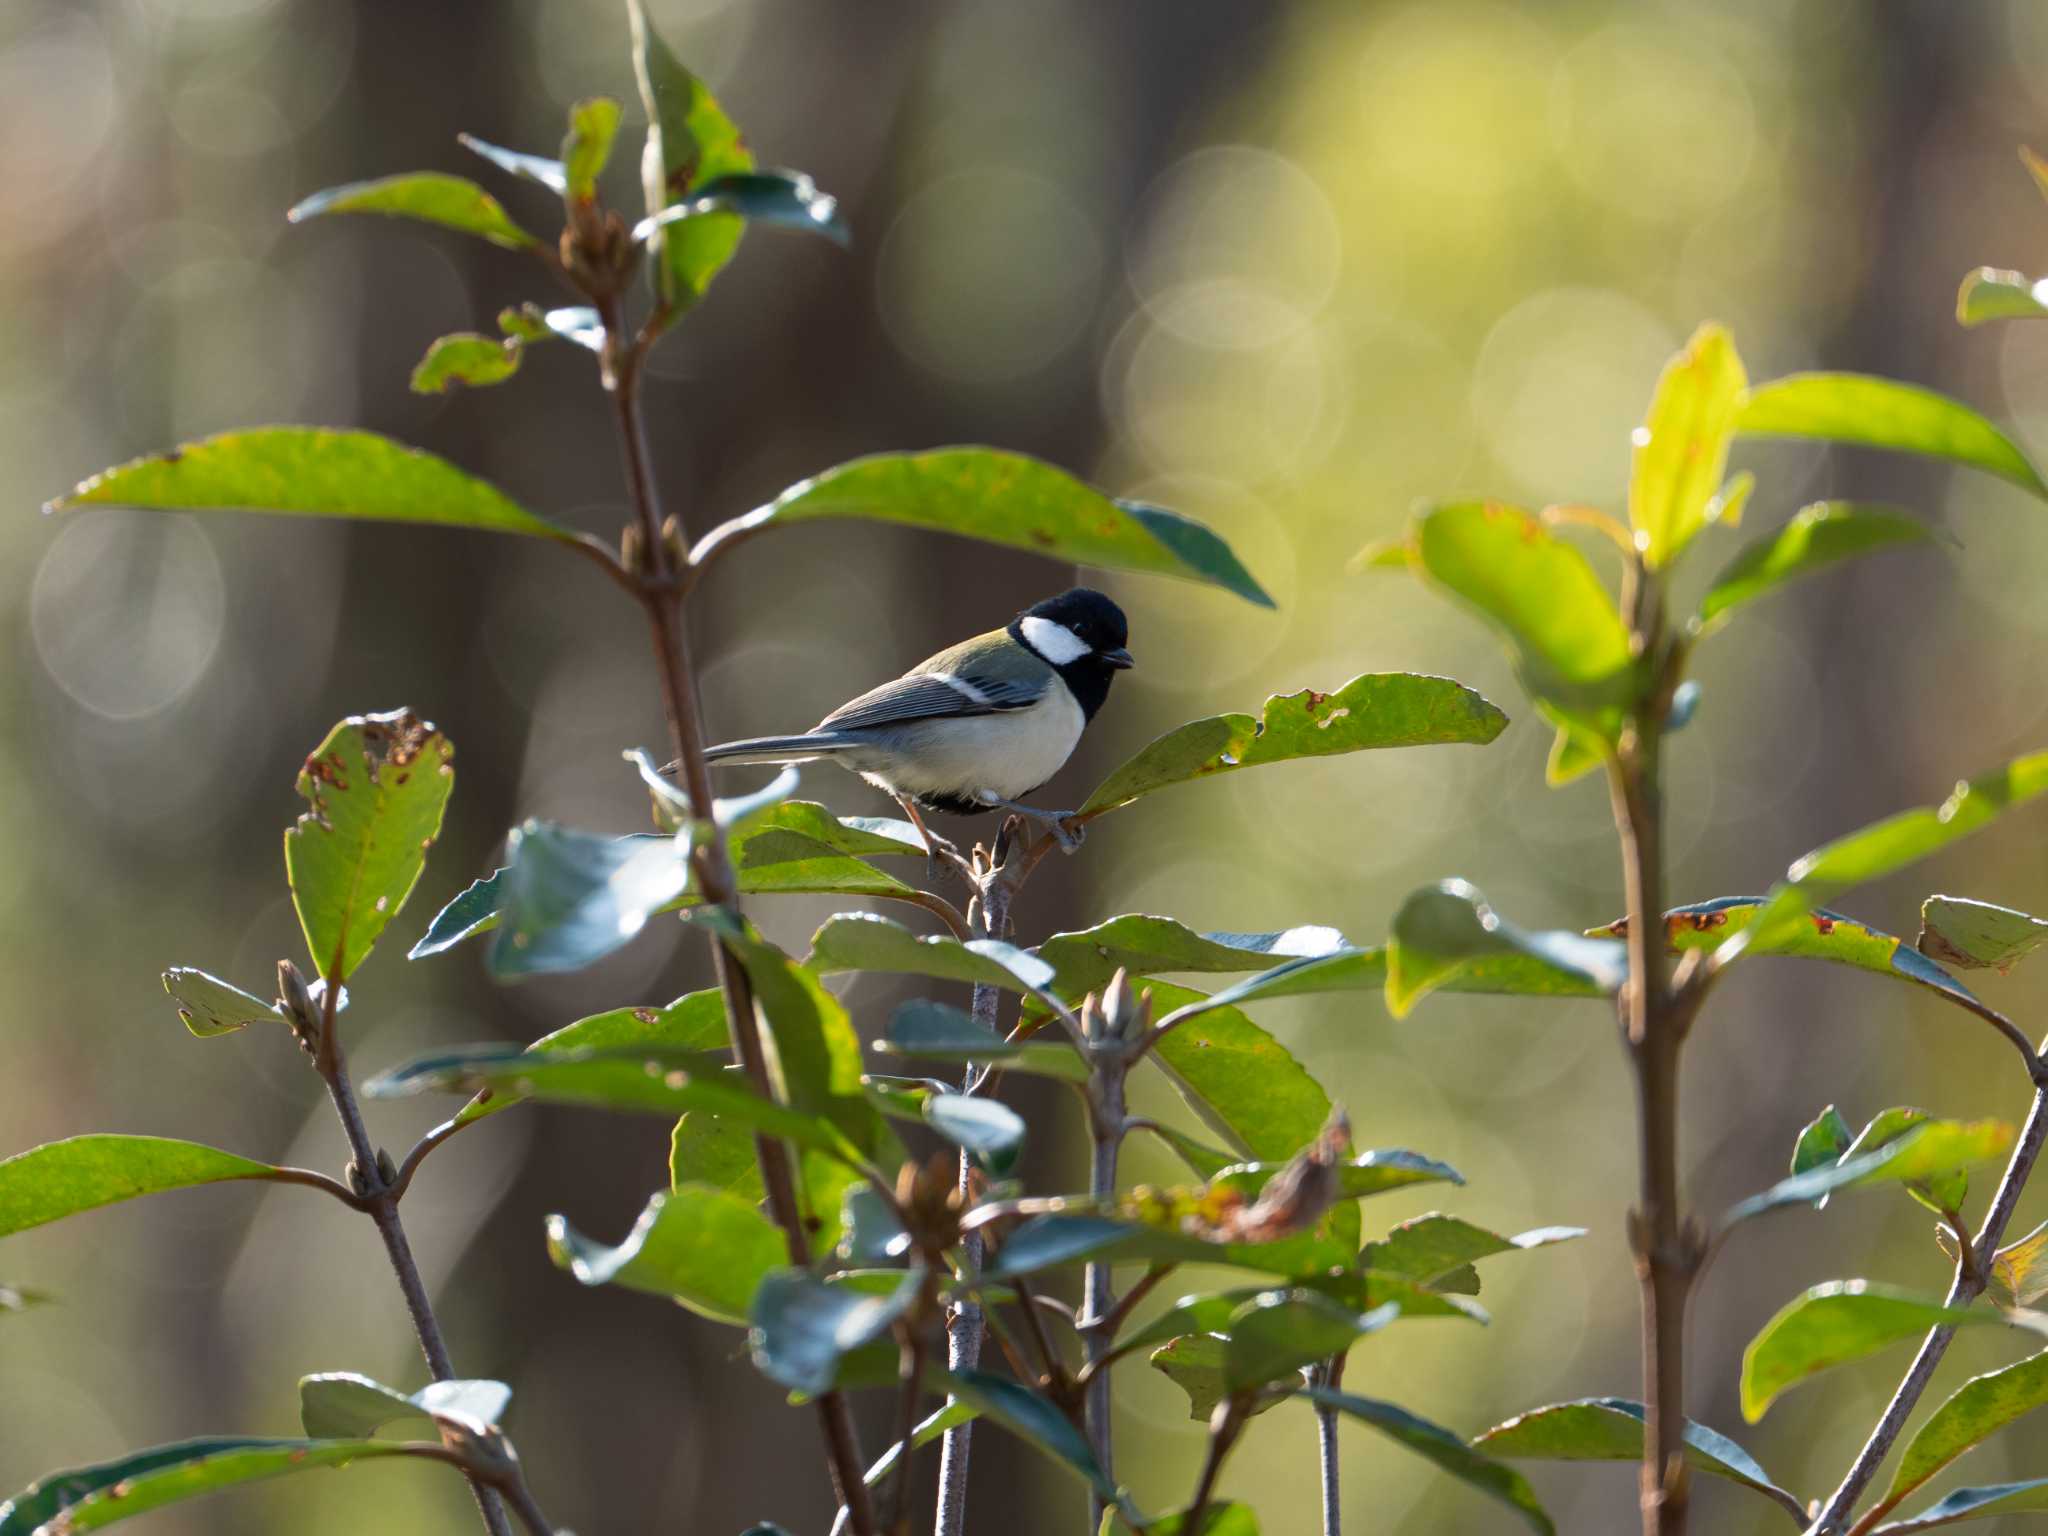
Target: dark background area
x: 1285, y: 267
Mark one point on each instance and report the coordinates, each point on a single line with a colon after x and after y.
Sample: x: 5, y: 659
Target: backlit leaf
x: 429, y: 196
x: 377, y: 787
x: 1823, y: 534
x: 466, y: 358
x: 1681, y: 450
x: 1991, y: 294
x: 1978, y: 1409
x: 209, y: 1006
x: 1443, y: 928
x: 343, y: 1405
x: 707, y: 1249
x: 1976, y: 934
x: 1836, y: 1324
x: 61, y: 1178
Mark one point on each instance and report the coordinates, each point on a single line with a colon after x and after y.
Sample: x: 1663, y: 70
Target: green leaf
x: 549, y: 173
x: 2028, y: 1498
x: 1573, y: 755
x: 466, y: 358
x: 933, y: 1031
x: 1380, y: 709
x: 209, y: 1006
x: 593, y: 124
x: 1242, y: 1082
x: 1821, y: 1142
x: 816, y: 1058
x: 429, y: 196
x: 1979, y: 1409
x: 2017, y: 1276
x: 802, y: 1326
x: 1976, y: 934
x: 1445, y: 1449
x: 342, y: 1405
x: 569, y: 898
x: 378, y: 786
x: 690, y: 141
x: 1921, y: 1152
x: 1223, y: 1519
x: 797, y: 846
x: 1151, y: 946
x: 989, y: 1129
x: 645, y: 1081
x: 1681, y: 450
x: 1432, y: 1246
x: 311, y: 472
x: 707, y: 1249
x: 1991, y: 294
x: 1826, y: 936
x: 1031, y: 1418
x: 1443, y: 928
x: 1276, y: 1333
x: 693, y: 1022
x: 1568, y: 642
x: 864, y: 941
x: 1835, y: 1324
x: 1823, y: 534
x: 1060, y: 1238
x: 928, y: 1429
x: 62, y: 1178
x: 1883, y: 413
x: 87, y: 1498
x: 1001, y: 498
x: 1194, y: 1363
x: 1884, y: 848
x: 1611, y: 1429
x: 1358, y: 1177
x: 786, y: 198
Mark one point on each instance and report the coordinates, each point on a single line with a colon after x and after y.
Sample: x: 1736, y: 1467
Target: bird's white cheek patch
x: 1055, y: 642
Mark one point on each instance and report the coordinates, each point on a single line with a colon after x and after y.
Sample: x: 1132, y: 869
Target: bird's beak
x: 1118, y: 658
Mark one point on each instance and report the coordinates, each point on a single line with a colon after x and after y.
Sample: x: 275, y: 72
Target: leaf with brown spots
x: 377, y: 788
x: 1380, y: 709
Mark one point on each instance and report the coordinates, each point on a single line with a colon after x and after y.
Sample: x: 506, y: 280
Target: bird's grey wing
x: 933, y: 696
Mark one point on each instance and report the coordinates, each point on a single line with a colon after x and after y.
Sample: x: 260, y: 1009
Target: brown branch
x: 1967, y: 1285
x: 446, y: 1130
x: 659, y: 591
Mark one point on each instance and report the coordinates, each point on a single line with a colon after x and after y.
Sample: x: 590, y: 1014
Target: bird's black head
x: 1081, y: 634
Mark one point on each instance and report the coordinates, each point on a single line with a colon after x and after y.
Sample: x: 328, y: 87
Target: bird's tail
x: 779, y: 749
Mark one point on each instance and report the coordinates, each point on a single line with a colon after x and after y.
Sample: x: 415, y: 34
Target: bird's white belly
x: 1007, y: 754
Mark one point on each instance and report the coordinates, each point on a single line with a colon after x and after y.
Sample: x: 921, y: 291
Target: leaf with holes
x: 1976, y: 935
x: 1380, y: 709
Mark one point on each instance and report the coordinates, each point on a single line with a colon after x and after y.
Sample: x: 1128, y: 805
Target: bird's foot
x: 1065, y: 829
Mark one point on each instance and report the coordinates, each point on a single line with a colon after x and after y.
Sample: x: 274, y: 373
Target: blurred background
x: 1287, y: 267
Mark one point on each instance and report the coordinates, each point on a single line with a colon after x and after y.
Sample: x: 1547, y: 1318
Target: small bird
x: 978, y: 726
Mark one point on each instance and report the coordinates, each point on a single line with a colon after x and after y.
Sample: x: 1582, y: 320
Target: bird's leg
x: 937, y: 849
x: 1055, y: 822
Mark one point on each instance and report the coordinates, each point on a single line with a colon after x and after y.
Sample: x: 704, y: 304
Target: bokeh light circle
x: 127, y: 612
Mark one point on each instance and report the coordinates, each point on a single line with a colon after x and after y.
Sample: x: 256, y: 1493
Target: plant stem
x: 1964, y: 1289
x: 1668, y: 1247
x: 1098, y: 1301
x: 382, y: 1205
x: 990, y: 919
x: 1224, y: 1425
x: 906, y: 1426
x: 1331, y: 1375
x: 658, y: 587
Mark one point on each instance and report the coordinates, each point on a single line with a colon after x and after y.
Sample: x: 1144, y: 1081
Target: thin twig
x: 321, y: 1182
x: 382, y: 1206
x: 660, y: 594
x: 1098, y: 1304
x: 1224, y: 1425
x: 912, y: 1374
x: 1964, y: 1289
x: 426, y: 1144
x: 964, y: 1328
x: 1330, y: 1374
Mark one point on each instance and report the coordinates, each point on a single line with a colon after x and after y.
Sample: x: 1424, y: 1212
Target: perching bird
x: 978, y: 726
